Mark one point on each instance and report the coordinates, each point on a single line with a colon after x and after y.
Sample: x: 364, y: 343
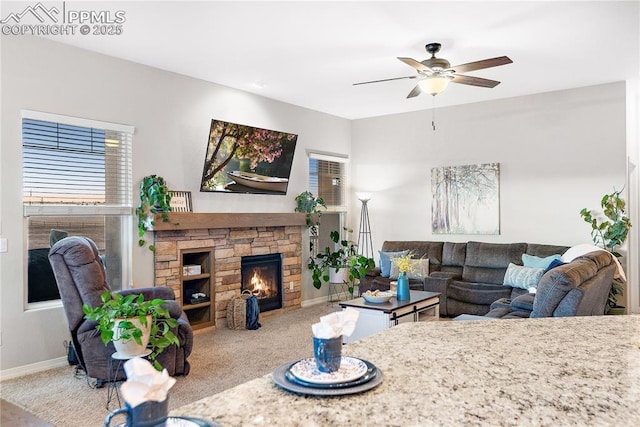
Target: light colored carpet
x: 221, y: 358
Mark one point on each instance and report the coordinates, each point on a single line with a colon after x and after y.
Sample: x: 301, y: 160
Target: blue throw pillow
x: 537, y: 262
x: 385, y: 261
x: 555, y: 263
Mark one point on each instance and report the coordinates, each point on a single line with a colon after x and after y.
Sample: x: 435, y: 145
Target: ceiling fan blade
x: 415, y: 92
x: 384, y: 80
x: 415, y: 64
x: 474, y: 81
x: 479, y: 65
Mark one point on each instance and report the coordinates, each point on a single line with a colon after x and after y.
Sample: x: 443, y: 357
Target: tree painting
x: 246, y: 159
x: 466, y: 199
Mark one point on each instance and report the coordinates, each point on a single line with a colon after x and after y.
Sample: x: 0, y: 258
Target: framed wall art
x: 180, y: 201
x: 246, y: 159
x: 466, y: 199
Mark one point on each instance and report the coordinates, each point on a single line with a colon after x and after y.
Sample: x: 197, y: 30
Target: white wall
x: 559, y: 152
x: 172, y: 115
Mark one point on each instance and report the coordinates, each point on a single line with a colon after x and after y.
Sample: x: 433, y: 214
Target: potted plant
x: 154, y: 198
x: 130, y: 320
x: 609, y: 233
x: 308, y: 203
x: 342, y: 256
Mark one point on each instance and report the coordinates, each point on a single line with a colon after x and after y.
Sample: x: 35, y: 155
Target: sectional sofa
x: 472, y: 276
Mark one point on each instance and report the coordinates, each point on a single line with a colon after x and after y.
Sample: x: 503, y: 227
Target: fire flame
x: 261, y: 288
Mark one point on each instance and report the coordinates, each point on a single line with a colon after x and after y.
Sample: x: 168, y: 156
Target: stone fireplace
x: 232, y: 237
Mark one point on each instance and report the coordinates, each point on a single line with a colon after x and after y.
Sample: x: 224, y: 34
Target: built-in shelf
x: 193, y: 221
x: 192, y: 306
x: 201, y: 314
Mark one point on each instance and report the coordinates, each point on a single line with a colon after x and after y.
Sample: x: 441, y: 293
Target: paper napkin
x: 144, y: 382
x: 335, y: 324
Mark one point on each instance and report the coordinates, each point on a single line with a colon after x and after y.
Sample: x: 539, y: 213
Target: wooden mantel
x: 193, y: 221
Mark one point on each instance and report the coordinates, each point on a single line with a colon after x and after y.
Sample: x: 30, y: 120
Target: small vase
x: 403, y: 287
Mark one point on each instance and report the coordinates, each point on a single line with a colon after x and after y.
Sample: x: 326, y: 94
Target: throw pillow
x: 419, y: 270
x: 518, y: 276
x: 555, y: 263
x: 537, y: 262
x: 385, y: 261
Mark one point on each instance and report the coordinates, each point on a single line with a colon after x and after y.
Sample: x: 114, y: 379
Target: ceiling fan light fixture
x: 433, y: 85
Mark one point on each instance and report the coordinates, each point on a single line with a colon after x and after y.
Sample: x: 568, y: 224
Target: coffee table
x: 375, y: 318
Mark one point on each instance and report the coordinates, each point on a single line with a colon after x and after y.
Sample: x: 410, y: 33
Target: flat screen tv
x: 246, y: 159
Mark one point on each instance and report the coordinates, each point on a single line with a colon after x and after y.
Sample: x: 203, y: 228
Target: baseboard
x: 314, y: 301
x: 33, y: 368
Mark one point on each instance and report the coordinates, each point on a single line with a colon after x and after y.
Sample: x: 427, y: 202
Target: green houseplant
x: 343, y: 254
x: 154, y: 198
x: 609, y: 233
x: 125, y: 318
x: 308, y: 203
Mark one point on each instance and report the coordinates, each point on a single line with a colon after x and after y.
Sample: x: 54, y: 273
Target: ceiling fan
x: 434, y: 74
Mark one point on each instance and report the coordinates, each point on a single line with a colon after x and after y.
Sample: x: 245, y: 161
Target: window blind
x: 71, y: 169
x: 327, y: 179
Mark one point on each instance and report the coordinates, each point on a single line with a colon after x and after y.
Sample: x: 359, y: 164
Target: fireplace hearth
x: 262, y: 276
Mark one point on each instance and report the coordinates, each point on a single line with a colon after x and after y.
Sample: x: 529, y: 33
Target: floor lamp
x: 365, y: 245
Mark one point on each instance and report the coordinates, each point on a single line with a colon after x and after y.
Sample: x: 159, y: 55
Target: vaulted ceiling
x: 310, y: 53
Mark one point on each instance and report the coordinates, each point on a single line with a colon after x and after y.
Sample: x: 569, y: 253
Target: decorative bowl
x: 380, y: 298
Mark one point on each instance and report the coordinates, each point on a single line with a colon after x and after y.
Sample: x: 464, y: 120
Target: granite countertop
x: 518, y: 372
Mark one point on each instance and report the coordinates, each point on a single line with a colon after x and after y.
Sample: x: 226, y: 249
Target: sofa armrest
x: 498, y: 312
x: 438, y: 284
x: 502, y: 303
x: 162, y: 292
x: 523, y: 303
x: 375, y: 272
x: 175, y: 311
x: 446, y: 275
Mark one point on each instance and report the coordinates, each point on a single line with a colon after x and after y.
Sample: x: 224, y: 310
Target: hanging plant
x: 308, y: 203
x: 154, y: 198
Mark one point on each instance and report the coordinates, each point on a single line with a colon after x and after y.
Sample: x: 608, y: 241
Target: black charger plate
x: 280, y: 379
x: 367, y: 376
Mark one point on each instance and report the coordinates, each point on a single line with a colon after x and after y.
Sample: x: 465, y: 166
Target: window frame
x: 122, y: 209
x: 335, y: 158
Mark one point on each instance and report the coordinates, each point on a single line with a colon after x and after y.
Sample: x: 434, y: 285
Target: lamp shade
x: 434, y: 85
x: 363, y: 196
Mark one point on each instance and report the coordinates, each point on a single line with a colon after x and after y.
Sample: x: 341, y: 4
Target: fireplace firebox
x: 262, y: 276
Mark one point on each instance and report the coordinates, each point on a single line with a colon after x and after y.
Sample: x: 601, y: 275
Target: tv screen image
x: 246, y: 159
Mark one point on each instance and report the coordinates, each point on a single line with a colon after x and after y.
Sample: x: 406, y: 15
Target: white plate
x: 381, y: 297
x: 350, y: 369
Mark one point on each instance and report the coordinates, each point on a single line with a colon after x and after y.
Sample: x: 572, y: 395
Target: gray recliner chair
x: 579, y: 288
x: 81, y: 278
